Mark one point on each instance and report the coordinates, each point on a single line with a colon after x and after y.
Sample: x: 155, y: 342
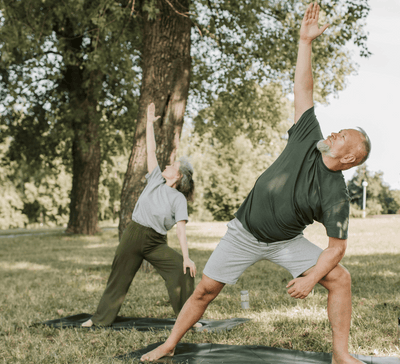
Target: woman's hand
x: 189, y: 263
x: 150, y: 113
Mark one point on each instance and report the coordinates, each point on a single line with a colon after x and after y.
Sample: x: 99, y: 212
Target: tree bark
x: 83, y: 218
x: 166, y: 77
x: 86, y: 154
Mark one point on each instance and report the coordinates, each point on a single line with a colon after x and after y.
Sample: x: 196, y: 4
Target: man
x: 304, y: 184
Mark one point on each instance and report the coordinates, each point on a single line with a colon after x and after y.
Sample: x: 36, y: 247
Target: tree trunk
x: 166, y: 77
x: 83, y: 218
x: 86, y: 154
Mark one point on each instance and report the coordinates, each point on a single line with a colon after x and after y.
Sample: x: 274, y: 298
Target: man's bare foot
x: 346, y: 359
x: 88, y: 323
x: 197, y: 325
x: 159, y: 352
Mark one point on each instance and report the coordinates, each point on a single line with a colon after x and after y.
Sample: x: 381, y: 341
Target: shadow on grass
x: 73, y: 264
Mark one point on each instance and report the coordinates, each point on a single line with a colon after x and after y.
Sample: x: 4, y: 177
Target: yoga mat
x: 240, y: 354
x: 144, y: 324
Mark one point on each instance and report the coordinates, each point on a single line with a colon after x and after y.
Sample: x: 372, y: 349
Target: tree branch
x: 186, y: 16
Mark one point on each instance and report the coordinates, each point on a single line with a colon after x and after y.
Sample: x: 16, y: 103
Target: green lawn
x: 49, y: 276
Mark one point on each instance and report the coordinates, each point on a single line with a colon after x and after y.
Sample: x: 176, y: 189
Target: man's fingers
x: 316, y: 11
x: 322, y: 29
x: 290, y: 283
x: 307, y: 13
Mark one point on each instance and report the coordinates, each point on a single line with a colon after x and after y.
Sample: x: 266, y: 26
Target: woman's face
x: 171, y: 172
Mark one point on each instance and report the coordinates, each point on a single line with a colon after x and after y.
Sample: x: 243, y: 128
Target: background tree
x: 68, y: 70
x: 227, y: 45
x: 380, y: 198
x: 68, y: 76
x: 165, y: 81
x: 229, y: 150
x: 11, y: 204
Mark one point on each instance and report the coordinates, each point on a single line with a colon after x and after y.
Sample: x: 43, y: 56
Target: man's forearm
x: 303, y: 79
x: 328, y: 260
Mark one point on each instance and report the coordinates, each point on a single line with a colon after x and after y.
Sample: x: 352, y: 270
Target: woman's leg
x: 169, y: 264
x: 126, y: 263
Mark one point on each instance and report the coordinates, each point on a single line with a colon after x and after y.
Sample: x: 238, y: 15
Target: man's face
x: 344, y: 142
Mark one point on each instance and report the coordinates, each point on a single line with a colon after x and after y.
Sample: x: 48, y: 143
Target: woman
x: 162, y: 204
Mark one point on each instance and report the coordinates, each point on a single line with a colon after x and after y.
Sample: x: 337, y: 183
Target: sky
x: 371, y: 99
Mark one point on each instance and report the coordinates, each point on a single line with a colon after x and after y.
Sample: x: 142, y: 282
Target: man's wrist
x: 305, y: 41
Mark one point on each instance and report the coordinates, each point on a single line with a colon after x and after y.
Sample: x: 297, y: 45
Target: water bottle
x: 244, y: 298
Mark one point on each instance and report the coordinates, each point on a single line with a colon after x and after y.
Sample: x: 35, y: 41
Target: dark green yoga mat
x: 239, y: 354
x: 143, y: 324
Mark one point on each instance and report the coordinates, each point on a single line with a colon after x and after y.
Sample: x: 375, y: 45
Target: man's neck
x: 331, y: 163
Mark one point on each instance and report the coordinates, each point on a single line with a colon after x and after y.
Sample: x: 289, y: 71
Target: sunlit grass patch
x: 23, y: 266
x: 51, y: 276
x: 97, y: 246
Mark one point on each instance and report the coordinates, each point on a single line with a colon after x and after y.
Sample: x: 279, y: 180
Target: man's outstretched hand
x: 309, y: 27
x: 300, y: 287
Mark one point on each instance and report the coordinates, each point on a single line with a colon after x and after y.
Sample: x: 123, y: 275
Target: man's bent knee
x: 337, y: 276
x: 207, y: 289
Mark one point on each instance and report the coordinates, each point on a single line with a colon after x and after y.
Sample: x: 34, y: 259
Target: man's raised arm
x: 303, y: 80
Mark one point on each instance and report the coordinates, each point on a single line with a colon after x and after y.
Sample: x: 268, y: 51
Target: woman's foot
x: 159, y: 352
x: 88, y: 323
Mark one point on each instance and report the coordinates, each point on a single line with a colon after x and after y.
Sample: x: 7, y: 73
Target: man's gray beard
x: 325, y: 149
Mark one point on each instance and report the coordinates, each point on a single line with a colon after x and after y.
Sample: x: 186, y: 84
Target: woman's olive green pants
x: 137, y: 243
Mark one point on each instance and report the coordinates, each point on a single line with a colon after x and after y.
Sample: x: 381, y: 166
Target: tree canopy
x: 46, y: 47
x: 73, y: 74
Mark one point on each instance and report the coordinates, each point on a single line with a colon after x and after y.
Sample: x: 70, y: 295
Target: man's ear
x: 348, y: 159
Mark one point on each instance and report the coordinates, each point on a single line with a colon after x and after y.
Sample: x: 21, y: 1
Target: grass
x: 48, y: 276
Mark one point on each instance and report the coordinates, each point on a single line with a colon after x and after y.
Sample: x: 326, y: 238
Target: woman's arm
x: 187, y: 262
x: 150, y: 139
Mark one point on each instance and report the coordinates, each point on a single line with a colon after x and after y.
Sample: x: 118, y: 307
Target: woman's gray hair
x: 186, y: 184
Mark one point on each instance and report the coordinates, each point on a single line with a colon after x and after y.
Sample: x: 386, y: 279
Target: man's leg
x: 338, y: 284
x: 191, y: 312
x: 237, y: 250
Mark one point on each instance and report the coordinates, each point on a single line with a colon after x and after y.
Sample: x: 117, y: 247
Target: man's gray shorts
x: 238, y: 250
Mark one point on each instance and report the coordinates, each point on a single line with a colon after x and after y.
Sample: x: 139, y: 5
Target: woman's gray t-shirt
x: 159, y: 206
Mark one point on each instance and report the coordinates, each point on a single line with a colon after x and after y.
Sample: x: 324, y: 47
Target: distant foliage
x: 230, y: 145
x: 11, y: 204
x: 380, y: 198
x: 111, y: 179
x: 40, y: 195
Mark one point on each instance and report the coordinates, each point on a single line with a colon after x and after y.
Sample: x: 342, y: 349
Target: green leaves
x: 232, y: 143
x: 257, y: 41
x: 380, y: 199
x: 54, y: 55
x: 149, y: 6
x: 250, y: 110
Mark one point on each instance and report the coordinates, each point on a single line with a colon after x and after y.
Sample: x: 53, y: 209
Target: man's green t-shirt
x: 296, y: 190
